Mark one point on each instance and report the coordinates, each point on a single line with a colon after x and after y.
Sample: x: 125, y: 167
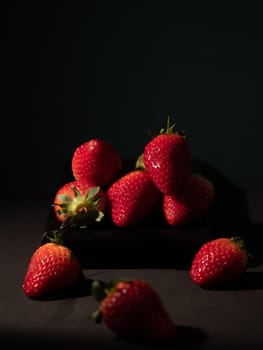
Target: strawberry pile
x: 161, y: 178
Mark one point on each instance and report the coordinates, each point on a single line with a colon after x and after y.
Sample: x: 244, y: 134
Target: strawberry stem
x: 57, y: 237
x: 239, y: 241
x: 140, y: 163
x: 170, y: 129
x: 97, y: 316
x: 241, y: 244
x: 98, y: 290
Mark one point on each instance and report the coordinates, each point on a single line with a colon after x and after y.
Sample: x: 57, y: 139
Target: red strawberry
x: 132, y: 198
x: 167, y: 159
x: 96, y: 161
x: 78, y: 203
x: 219, y: 263
x: 133, y: 310
x: 191, y: 202
x: 52, y: 268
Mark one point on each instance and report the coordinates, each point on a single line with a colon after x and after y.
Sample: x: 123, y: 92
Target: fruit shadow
x: 250, y: 280
x: 156, y: 245
x: 81, y: 289
x: 187, y: 338
x: 230, y: 215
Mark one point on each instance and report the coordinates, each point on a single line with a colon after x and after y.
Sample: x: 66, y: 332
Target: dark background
x: 115, y: 70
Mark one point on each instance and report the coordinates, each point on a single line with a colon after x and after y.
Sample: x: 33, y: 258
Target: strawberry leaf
x: 98, y: 290
x: 97, y: 316
x: 100, y: 216
x: 92, y: 192
x: 63, y: 197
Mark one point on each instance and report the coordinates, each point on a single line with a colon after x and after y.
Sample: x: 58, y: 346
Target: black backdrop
x: 115, y: 70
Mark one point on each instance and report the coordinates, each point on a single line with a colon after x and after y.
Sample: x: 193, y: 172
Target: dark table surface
x: 205, y: 319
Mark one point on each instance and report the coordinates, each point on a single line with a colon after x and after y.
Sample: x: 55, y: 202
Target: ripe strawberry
x: 167, y: 159
x: 132, y: 198
x: 96, y: 161
x: 133, y: 310
x: 191, y: 202
x: 78, y: 203
x: 219, y: 263
x: 52, y: 268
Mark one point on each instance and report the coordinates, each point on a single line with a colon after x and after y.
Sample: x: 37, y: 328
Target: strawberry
x: 132, y: 198
x: 133, y: 310
x: 167, y: 159
x: 219, y: 262
x: 191, y: 202
x: 96, y: 161
x: 52, y: 268
x: 78, y: 203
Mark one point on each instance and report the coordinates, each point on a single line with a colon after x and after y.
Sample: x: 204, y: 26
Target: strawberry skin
x: 132, y: 309
x: 219, y: 263
x: 132, y: 198
x: 77, y: 202
x: 190, y: 203
x: 167, y: 159
x: 52, y: 268
x: 96, y: 161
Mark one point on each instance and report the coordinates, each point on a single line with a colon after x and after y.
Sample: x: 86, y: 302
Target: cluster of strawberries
x: 161, y: 175
x: 132, y: 308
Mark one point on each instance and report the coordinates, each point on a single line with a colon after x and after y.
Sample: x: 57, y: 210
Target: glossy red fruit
x: 133, y: 310
x: 219, y: 263
x: 191, y: 202
x: 167, y: 159
x: 79, y: 203
x: 52, y: 268
x: 132, y: 199
x: 96, y: 161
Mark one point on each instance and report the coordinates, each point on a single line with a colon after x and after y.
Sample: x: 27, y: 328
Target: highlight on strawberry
x: 52, y: 268
x: 167, y: 159
x: 79, y: 204
x: 96, y: 161
x: 132, y: 199
x: 219, y: 263
x: 133, y: 311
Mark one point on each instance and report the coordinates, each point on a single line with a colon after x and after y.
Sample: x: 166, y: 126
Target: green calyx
x: 170, y: 129
x: 241, y: 244
x: 100, y: 290
x: 80, y: 210
x: 238, y: 241
x: 139, y: 165
x: 56, y: 237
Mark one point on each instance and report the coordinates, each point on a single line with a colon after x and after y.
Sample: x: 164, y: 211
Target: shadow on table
x: 230, y: 215
x: 187, y: 338
x: 251, y: 280
x: 155, y: 244
x: 81, y: 289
